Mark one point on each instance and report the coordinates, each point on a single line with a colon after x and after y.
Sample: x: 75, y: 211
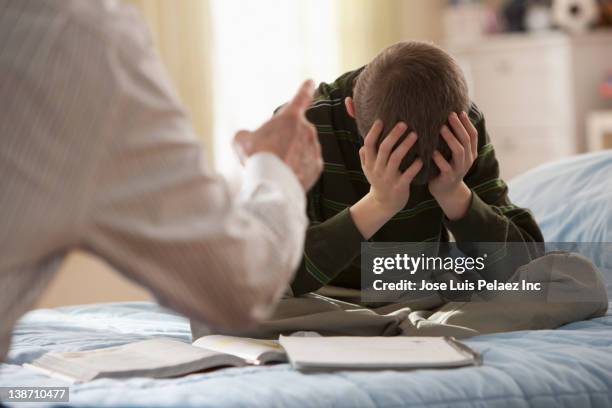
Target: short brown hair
x: 419, y: 84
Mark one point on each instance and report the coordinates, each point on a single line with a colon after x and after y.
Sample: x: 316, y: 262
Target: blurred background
x: 541, y: 71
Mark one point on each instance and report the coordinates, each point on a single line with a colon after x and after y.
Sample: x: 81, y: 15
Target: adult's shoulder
x: 104, y: 23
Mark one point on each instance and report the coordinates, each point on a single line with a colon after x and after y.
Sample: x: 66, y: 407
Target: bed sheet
x: 567, y: 367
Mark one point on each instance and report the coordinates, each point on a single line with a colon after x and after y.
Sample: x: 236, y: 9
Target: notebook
x: 158, y: 358
x: 373, y: 353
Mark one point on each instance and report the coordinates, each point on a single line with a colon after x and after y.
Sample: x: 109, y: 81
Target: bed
x: 567, y: 367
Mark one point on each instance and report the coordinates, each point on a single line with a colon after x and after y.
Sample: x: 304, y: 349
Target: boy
x: 404, y: 162
x: 447, y: 181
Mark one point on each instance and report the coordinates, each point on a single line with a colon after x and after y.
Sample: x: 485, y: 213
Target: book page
x: 155, y: 358
x: 373, y: 352
x: 252, y: 350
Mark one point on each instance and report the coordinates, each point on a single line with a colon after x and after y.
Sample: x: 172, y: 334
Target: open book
x: 371, y: 353
x: 162, y: 358
x: 158, y: 358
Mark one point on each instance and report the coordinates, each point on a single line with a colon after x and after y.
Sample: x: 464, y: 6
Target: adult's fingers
x: 370, y: 141
x: 312, y: 162
x: 316, y: 146
x: 400, y: 152
x: 302, y: 99
x: 386, y: 146
x: 315, y: 140
x: 456, y: 148
x: 467, y: 124
x: 242, y: 144
x: 411, y: 172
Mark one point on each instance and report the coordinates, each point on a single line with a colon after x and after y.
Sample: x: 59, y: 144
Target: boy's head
x: 416, y: 83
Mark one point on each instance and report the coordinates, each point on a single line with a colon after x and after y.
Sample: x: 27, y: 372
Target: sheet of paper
x: 373, y: 352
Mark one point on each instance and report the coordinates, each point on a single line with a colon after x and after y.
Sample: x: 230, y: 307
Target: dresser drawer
x: 520, y: 148
x: 531, y: 87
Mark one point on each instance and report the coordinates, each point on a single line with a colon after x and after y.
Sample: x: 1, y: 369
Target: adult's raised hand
x: 288, y: 135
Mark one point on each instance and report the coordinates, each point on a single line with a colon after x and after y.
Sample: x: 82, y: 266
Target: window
x: 262, y: 51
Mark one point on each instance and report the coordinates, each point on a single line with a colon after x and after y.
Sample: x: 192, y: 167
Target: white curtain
x: 182, y: 33
x: 262, y: 50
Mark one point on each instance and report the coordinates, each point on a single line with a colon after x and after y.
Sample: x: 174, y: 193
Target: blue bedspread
x: 567, y: 367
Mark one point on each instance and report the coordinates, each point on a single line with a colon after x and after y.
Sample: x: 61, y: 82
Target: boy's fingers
x: 302, y: 99
x: 411, y: 172
x: 371, y: 139
x: 467, y: 123
x: 362, y: 156
x: 387, y: 145
x: 400, y: 152
x: 459, y: 130
x: 441, y: 162
x: 452, y: 142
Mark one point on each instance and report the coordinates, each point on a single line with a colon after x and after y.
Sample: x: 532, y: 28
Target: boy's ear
x: 350, y: 108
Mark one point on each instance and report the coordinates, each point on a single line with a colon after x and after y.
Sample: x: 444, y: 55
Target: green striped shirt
x: 333, y: 243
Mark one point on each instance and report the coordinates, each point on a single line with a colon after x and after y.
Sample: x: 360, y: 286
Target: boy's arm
x: 330, y: 247
x: 491, y: 216
x: 334, y: 243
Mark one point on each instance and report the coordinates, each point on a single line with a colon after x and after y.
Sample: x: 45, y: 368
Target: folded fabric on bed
x: 572, y: 202
x: 567, y: 367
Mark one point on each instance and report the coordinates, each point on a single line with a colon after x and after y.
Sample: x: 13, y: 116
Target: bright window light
x: 262, y: 51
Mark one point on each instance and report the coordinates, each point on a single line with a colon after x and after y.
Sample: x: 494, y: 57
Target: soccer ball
x: 575, y: 16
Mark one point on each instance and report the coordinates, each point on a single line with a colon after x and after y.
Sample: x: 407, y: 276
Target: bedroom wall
x: 365, y: 26
x: 85, y: 279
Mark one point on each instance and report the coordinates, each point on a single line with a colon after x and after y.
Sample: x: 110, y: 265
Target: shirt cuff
x: 270, y: 169
x: 479, y: 224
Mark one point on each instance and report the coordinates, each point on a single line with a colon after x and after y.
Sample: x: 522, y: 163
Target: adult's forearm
x: 212, y: 257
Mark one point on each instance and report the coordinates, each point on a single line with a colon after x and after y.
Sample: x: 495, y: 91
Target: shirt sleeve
x: 491, y: 216
x: 160, y: 217
x: 330, y: 248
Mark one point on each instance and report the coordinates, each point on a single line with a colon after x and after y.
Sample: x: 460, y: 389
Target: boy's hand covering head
x: 416, y: 83
x: 463, y: 143
x: 288, y: 135
x: 389, y: 187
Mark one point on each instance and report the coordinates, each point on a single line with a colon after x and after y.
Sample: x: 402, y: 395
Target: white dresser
x: 536, y: 92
